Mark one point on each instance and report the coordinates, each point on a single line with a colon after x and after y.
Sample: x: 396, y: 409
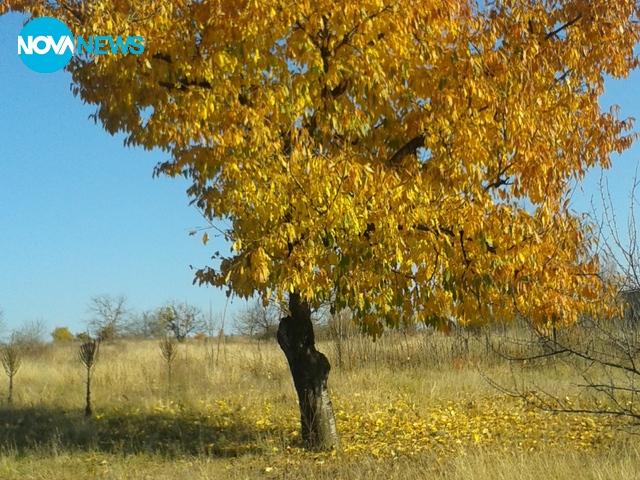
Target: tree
x: 258, y: 321
x: 603, y: 353
x: 148, y: 324
x: 182, y: 319
x: 11, y: 360
x: 168, y: 351
x: 109, y: 316
x: 88, y: 353
x: 62, y: 335
x: 405, y: 160
x: 32, y: 332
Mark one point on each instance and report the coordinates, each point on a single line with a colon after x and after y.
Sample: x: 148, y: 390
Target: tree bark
x: 310, y: 371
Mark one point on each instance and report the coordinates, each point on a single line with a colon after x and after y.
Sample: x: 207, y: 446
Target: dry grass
x: 407, y: 407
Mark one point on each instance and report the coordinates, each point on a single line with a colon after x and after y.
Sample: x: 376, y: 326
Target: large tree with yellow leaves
x: 404, y: 159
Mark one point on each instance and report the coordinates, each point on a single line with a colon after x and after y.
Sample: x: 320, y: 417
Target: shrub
x: 82, y: 337
x: 62, y: 334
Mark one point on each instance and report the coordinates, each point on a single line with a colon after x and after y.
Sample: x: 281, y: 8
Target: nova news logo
x: 46, y: 45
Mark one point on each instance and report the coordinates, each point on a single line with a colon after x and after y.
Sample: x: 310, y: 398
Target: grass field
x: 407, y: 407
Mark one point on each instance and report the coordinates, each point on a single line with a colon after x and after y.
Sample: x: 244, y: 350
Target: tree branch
x: 410, y: 148
x: 183, y: 84
x: 562, y: 27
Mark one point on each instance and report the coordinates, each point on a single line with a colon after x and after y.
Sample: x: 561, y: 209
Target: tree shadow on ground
x: 168, y: 433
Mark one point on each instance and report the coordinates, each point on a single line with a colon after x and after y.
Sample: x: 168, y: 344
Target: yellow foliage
x: 62, y: 334
x: 403, y: 157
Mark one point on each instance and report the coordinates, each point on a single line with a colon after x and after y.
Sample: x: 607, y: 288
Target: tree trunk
x: 310, y: 371
x: 10, y: 400
x: 87, y: 411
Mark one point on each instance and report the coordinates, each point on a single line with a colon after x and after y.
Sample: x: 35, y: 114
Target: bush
x: 62, y: 334
x: 108, y: 333
x: 83, y: 337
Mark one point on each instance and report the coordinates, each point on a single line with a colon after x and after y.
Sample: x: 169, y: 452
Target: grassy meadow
x: 417, y: 406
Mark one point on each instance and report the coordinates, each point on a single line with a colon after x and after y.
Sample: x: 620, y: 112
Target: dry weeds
x: 407, y: 407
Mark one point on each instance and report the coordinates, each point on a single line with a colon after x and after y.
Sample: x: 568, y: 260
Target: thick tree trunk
x: 310, y: 371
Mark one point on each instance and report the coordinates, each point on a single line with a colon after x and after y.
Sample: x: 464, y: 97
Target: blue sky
x: 80, y: 214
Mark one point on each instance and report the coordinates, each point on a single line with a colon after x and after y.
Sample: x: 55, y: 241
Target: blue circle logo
x: 45, y: 45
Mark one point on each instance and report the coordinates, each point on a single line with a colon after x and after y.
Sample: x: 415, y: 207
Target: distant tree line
x: 111, y: 318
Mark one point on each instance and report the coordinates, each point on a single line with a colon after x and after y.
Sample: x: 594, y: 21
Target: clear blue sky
x: 80, y: 214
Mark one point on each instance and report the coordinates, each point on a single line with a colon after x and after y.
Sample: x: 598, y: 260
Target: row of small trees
x: 88, y: 353
x: 11, y: 359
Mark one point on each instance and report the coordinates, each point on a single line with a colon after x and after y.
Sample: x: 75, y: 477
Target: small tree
x: 11, y: 361
x: 182, y: 319
x: 89, y: 356
x: 603, y: 351
x: 148, y: 324
x: 62, y: 335
x: 258, y: 321
x: 109, y: 315
x: 168, y: 350
x: 31, y: 333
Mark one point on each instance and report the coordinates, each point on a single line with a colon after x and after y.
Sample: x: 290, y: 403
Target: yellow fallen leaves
x: 498, y: 422
x: 399, y: 427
